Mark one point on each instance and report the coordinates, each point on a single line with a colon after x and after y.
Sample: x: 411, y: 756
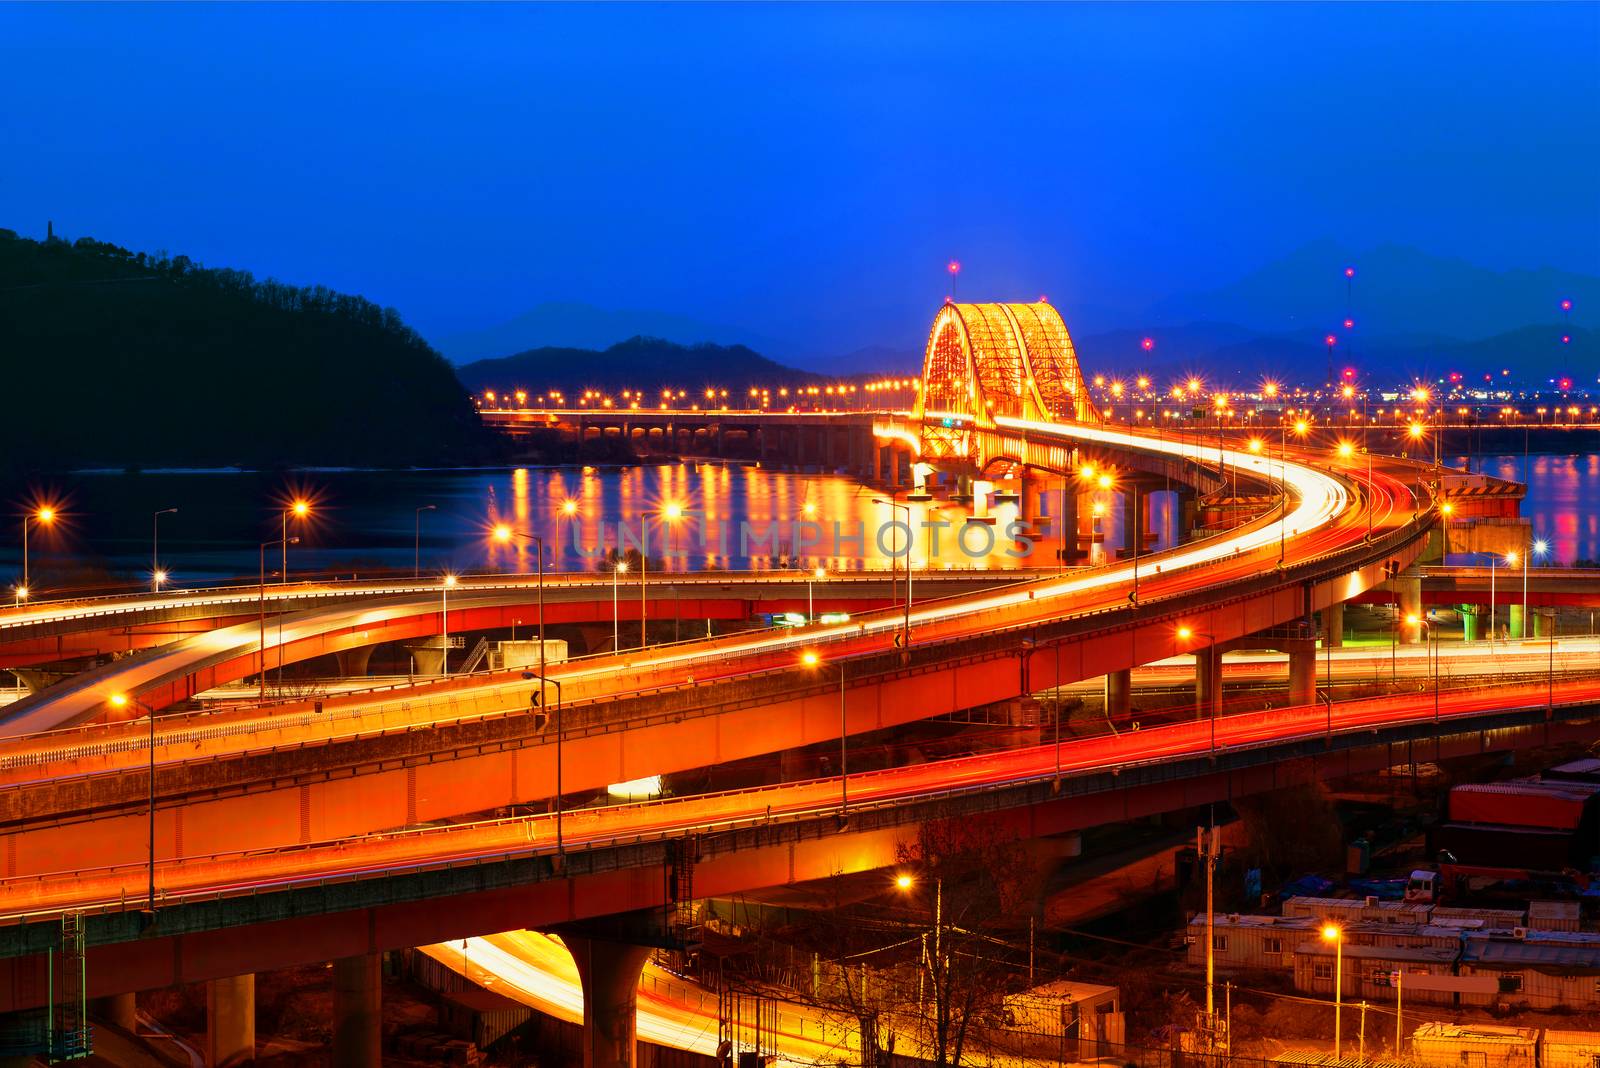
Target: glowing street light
x: 811, y: 659
x: 121, y: 701
x: 157, y: 575
x: 44, y: 517
x: 616, y: 639
x: 299, y: 508
x: 504, y: 533
x: 1335, y: 934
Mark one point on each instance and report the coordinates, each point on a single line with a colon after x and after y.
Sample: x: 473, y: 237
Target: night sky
x: 804, y: 172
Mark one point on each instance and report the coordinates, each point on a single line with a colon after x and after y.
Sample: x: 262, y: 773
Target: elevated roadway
x: 288, y: 775
x: 231, y: 913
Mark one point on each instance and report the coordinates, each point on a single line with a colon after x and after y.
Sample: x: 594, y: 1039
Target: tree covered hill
x: 120, y: 358
x: 649, y: 364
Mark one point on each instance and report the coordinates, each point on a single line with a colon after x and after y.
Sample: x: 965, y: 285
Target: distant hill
x: 641, y: 363
x: 584, y: 326
x: 1397, y: 290
x: 121, y: 358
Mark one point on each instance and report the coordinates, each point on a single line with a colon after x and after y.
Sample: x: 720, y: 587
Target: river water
x: 367, y: 521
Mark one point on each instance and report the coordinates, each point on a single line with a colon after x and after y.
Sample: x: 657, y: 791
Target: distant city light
x: 1349, y: 272
x: 1148, y: 343
x: 954, y: 267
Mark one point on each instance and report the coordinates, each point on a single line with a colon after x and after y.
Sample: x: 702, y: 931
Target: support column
x: 1333, y: 625
x: 1069, y: 522
x: 1516, y: 625
x: 1031, y: 506
x: 358, y: 1011
x: 1302, y: 673
x: 877, y: 464
x: 231, y: 1020
x: 1542, y: 622
x: 119, y: 1010
x: 610, y: 974
x: 1208, y: 682
x: 1471, y: 622
x: 353, y: 662
x: 1188, y: 513
x: 1409, y: 589
x: 1119, y: 692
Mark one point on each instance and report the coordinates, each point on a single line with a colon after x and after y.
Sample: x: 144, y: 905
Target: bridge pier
x: 231, y: 1020
x: 1119, y: 694
x: 1031, y: 505
x: 609, y: 972
x: 1208, y: 682
x: 1515, y: 623
x: 1333, y: 625
x: 1302, y: 672
x: 1188, y: 513
x: 353, y: 662
x: 1471, y: 625
x: 358, y: 1011
x: 122, y: 1010
x: 1543, y: 622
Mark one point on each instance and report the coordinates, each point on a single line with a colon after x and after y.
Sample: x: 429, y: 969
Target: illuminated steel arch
x: 989, y: 360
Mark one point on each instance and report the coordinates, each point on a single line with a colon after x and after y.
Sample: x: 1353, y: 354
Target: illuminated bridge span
x: 989, y: 361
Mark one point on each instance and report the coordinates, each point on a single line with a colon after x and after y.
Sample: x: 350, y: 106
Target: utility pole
x: 1206, y: 848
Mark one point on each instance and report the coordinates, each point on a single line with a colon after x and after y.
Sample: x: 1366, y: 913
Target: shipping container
x: 1553, y: 915
x: 1542, y: 969
x: 1569, y: 1049
x: 1367, y: 972
x: 1467, y: 917
x: 1343, y: 910
x: 1586, y: 769
x: 1553, y: 805
x: 1475, y: 1046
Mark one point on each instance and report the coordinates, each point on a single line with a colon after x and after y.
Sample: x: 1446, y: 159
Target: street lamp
x: 1335, y: 934
x: 444, y: 622
x: 811, y: 608
x: 157, y: 576
x: 905, y: 640
x: 527, y: 676
x: 44, y: 517
x: 1430, y: 633
x: 621, y: 568
x: 299, y: 509
x: 1302, y: 427
x: 1186, y: 634
x: 504, y: 533
x: 905, y: 882
x: 416, y: 545
x: 122, y: 700
x: 261, y: 604
x: 811, y: 659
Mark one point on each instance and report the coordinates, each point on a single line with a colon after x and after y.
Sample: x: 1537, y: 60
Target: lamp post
x: 261, y: 606
x: 416, y: 545
x: 43, y: 516
x: 905, y: 882
x: 122, y: 700
x: 505, y: 534
x: 299, y: 509
x: 1432, y: 651
x: 905, y: 640
x: 561, y: 846
x: 811, y: 605
x: 1185, y: 634
x: 157, y: 576
x: 616, y: 640
x: 445, y: 586
x: 812, y: 660
x: 1335, y: 934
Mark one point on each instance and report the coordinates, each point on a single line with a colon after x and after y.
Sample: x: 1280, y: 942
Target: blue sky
x: 803, y: 171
